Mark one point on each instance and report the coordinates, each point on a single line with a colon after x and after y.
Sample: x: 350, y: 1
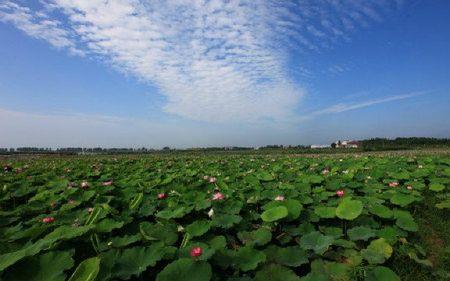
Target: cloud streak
x: 220, y: 61
x: 343, y: 107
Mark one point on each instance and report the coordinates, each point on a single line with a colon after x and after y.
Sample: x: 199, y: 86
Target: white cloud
x: 213, y: 60
x: 38, y: 25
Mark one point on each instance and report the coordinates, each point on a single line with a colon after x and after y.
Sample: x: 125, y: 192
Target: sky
x: 196, y: 73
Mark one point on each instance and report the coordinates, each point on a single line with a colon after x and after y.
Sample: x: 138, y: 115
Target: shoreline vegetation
x: 368, y: 145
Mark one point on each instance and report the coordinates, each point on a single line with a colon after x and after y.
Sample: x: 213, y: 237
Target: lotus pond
x: 225, y: 217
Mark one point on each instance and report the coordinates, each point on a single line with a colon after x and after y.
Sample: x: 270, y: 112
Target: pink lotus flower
x: 409, y: 187
x: 212, y: 180
x: 48, y: 219
x: 340, y: 193
x: 161, y: 196
x: 279, y: 198
x: 107, y: 182
x: 84, y: 184
x: 325, y: 171
x: 218, y: 196
x: 7, y: 168
x: 196, y: 252
x: 205, y: 178
x: 393, y: 184
x: 90, y: 210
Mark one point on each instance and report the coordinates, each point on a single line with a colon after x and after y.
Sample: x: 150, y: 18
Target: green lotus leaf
x: 316, y: 241
x: 405, y: 221
x: 275, y: 272
x: 314, y: 179
x: 344, y: 243
x: 126, y: 240
x: 162, y: 232
x: 335, y: 232
x: 129, y: 262
x: 349, y: 209
x: 325, y: 212
x: 360, y: 233
x: 186, y: 269
x: 226, y: 220
x: 436, y: 187
x: 337, y: 271
x: 402, y: 199
x: 293, y: 256
x: 232, y: 207
x: 87, y: 270
x: 352, y: 257
x: 245, y: 278
x: 381, y: 211
x: 416, y: 185
x: 271, y: 204
x: 274, y: 214
x: 248, y: 258
x: 59, y: 234
x: 403, y: 175
x: 294, y: 208
x: 264, y: 176
x: 325, y: 271
x: 381, y: 273
x: 46, y: 267
x: 443, y: 205
x: 258, y: 237
x: 107, y: 225
x: 377, y: 252
x: 389, y: 233
x: 218, y: 242
x: 198, y: 228
x: 171, y: 214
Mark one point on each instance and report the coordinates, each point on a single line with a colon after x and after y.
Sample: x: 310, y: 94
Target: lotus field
x: 230, y: 217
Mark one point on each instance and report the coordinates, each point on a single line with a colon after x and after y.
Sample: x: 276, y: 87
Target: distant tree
x: 166, y: 148
x: 333, y: 145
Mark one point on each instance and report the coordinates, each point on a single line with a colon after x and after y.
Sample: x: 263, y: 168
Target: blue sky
x: 206, y: 73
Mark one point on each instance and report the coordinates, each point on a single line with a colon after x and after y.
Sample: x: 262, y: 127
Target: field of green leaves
x: 261, y: 218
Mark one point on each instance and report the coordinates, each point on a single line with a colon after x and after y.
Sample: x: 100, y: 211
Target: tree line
x: 374, y: 144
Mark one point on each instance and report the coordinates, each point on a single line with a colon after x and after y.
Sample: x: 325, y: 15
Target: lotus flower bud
x: 218, y: 196
x: 196, y: 252
x: 340, y: 193
x: 48, y: 219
